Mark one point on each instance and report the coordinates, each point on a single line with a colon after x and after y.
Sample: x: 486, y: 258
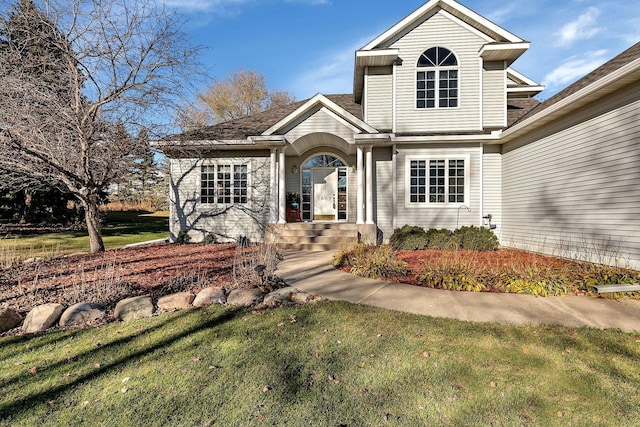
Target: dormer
x: 443, y: 68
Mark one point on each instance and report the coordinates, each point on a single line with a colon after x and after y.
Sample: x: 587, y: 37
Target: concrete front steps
x: 315, y: 236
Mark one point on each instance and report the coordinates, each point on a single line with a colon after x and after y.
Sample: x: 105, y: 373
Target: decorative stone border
x: 45, y: 316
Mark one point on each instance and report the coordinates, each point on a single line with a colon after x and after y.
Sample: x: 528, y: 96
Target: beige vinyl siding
x: 494, y: 109
x: 438, y: 216
x: 227, y: 222
x: 439, y: 30
x: 492, y: 185
x: 320, y: 121
x: 378, y: 96
x: 383, y: 194
x: 575, y: 190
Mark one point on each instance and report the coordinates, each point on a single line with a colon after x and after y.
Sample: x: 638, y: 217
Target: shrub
x: 409, y: 238
x: 347, y: 257
x: 379, y: 263
x: 476, y: 239
x: 209, y: 239
x: 183, y: 237
x: 443, y: 240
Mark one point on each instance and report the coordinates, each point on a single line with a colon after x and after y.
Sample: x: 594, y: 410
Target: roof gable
x: 314, y: 104
x: 495, y: 32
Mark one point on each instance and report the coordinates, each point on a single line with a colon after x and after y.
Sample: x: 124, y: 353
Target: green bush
x: 347, y: 257
x: 409, y: 237
x: 209, y: 239
x: 443, y: 240
x: 379, y: 263
x: 183, y: 237
x: 476, y: 239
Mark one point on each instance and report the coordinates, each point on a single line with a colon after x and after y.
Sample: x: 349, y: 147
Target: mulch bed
x: 109, y: 276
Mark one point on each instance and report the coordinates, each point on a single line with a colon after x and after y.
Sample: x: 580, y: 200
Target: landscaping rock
x: 286, y: 295
x: 178, y: 301
x: 42, y: 317
x: 9, y: 319
x: 209, y: 296
x: 82, y: 313
x: 244, y: 297
x: 134, y: 308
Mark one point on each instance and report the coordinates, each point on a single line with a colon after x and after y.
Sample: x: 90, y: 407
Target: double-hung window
x: 437, y: 79
x: 437, y: 182
x: 224, y: 184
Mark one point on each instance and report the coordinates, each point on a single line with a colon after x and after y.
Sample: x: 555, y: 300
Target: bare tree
x: 241, y: 94
x: 110, y: 69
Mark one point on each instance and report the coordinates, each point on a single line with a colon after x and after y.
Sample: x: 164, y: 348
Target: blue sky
x: 307, y: 46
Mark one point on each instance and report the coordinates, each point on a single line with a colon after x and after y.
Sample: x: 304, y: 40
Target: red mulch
x: 154, y: 270
x: 480, y: 260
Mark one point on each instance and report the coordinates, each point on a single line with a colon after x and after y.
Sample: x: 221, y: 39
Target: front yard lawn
x: 326, y: 364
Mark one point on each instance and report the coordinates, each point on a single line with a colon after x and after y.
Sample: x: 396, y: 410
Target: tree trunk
x: 92, y: 219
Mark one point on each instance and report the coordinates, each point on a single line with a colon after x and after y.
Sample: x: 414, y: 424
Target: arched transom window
x: 437, y: 79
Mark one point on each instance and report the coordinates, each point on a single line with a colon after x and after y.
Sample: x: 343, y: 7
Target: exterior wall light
x: 294, y: 169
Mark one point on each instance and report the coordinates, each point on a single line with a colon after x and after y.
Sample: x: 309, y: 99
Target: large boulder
x: 42, y: 317
x: 245, y: 297
x: 82, y: 313
x: 178, y: 301
x: 209, y: 296
x: 9, y: 319
x: 134, y: 308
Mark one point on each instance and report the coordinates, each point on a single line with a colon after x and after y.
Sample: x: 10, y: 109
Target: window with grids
x: 437, y: 181
x: 437, y: 79
x: 224, y: 184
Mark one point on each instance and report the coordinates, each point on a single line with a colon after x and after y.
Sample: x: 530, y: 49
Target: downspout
x: 394, y: 186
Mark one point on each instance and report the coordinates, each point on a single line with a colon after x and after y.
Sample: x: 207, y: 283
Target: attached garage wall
x: 574, y: 190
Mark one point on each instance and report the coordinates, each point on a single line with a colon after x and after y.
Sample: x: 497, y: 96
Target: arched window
x: 437, y: 79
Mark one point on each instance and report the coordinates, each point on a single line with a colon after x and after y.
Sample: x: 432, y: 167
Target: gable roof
x: 496, y: 32
x: 314, y: 104
x: 257, y: 124
x: 605, y: 79
x: 501, y: 45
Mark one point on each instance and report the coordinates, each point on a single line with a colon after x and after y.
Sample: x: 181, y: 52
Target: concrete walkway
x: 312, y: 272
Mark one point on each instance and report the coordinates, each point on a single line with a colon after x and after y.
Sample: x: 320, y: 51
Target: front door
x: 325, y: 189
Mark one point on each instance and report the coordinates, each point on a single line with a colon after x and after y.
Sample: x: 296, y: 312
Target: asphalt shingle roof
x: 616, y: 63
x: 256, y: 124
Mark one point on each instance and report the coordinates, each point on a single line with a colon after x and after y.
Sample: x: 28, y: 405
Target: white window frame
x: 436, y: 69
x: 446, y: 204
x: 215, y: 196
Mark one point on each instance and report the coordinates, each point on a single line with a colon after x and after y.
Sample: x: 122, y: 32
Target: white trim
x: 481, y: 88
x: 434, y: 205
x: 437, y: 70
x: 481, y: 201
x: 504, y: 110
x: 426, y: 8
x: 394, y: 98
x: 515, y: 75
x: 607, y: 84
x: 365, y: 95
x: 314, y: 102
x: 466, y: 26
x: 493, y: 136
x: 248, y: 162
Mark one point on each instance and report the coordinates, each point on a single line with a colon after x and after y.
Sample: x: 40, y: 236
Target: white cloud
x: 583, y: 27
x: 574, y: 68
x: 224, y: 5
x: 332, y: 73
x: 501, y: 15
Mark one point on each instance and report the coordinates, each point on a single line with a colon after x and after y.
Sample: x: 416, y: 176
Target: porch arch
x: 319, y: 139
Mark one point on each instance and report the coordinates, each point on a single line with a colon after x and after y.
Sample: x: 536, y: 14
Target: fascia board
x: 445, y: 5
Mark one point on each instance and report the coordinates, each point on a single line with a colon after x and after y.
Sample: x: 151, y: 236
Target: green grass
x: 337, y: 364
x: 119, y: 229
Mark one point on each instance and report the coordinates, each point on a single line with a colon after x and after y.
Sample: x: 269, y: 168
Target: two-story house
x: 440, y: 132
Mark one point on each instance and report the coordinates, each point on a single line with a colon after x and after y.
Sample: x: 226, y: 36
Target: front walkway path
x: 312, y: 272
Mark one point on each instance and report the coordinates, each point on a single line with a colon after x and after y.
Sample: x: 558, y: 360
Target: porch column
x: 273, y: 207
x: 282, y: 197
x: 369, y: 185
x: 360, y: 193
